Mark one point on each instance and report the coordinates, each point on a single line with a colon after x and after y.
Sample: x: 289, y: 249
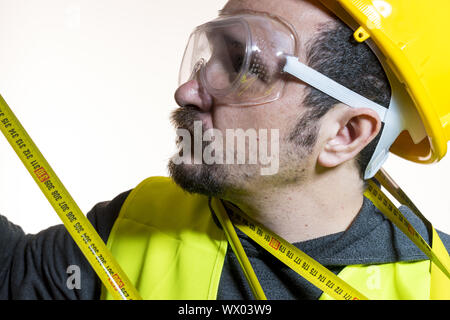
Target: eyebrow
x: 224, y: 12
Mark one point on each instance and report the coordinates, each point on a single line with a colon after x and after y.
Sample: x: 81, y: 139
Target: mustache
x: 184, y: 118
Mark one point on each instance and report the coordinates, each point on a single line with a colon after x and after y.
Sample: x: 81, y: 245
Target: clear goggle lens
x: 239, y: 60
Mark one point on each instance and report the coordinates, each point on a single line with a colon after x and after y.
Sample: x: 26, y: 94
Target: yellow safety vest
x: 170, y: 247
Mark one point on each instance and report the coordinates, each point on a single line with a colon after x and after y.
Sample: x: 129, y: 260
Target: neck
x: 322, y: 204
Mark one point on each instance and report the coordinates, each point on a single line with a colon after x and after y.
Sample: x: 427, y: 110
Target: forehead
x: 306, y: 16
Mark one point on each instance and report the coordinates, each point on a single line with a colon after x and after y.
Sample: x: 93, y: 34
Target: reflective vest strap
x: 167, y: 243
x: 390, y: 281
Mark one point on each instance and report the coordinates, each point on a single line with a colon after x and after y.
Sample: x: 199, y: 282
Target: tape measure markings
x: 293, y: 257
x: 74, y: 220
x: 312, y: 270
x: 381, y: 201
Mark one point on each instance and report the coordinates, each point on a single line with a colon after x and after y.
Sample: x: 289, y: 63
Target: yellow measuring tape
x: 287, y: 253
x: 76, y: 223
x: 438, y: 257
x: 312, y: 270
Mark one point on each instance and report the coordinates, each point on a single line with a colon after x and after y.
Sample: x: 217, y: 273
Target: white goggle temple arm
x: 394, y: 118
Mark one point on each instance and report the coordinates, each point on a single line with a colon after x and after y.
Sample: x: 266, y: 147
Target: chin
x: 208, y: 180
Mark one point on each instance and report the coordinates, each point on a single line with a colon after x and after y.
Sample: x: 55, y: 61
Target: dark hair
x: 334, y: 53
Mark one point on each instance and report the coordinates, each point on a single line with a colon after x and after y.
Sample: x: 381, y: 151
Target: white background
x: 93, y: 81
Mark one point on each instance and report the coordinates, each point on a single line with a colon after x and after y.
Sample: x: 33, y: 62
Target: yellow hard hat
x: 410, y: 38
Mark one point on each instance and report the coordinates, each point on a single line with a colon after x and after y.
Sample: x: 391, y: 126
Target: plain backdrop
x: 93, y: 82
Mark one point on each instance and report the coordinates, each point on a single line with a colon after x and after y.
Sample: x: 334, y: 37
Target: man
x: 171, y: 243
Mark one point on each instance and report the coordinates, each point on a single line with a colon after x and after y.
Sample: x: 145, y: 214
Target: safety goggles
x: 246, y: 59
x: 239, y: 59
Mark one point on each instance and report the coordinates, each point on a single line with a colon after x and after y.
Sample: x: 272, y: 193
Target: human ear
x: 349, y: 132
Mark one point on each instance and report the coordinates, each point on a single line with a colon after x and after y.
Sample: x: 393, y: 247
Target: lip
x: 206, y: 121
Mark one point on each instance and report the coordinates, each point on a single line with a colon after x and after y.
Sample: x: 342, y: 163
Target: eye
x: 258, y: 67
x: 236, y: 53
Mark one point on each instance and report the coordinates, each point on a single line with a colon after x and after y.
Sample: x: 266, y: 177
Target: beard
x: 226, y: 180
x: 206, y: 179
x: 209, y: 180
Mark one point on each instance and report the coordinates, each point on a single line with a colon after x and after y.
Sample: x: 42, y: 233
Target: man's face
x: 273, y: 122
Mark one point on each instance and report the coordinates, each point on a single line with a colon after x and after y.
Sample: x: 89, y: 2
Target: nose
x: 191, y: 93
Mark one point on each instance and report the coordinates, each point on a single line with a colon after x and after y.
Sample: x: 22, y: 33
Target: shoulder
x: 157, y: 187
x: 159, y: 201
x: 104, y: 214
